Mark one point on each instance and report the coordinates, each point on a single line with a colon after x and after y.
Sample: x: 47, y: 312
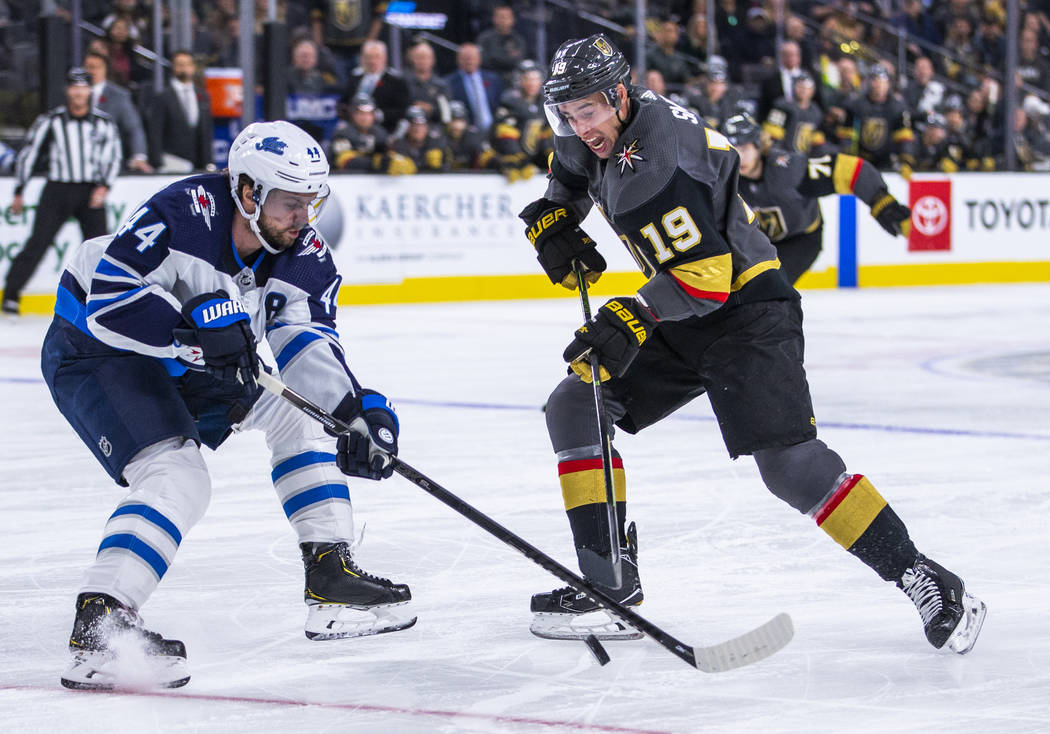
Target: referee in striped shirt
x: 83, y: 146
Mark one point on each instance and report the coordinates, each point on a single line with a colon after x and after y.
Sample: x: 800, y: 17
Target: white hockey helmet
x: 278, y: 155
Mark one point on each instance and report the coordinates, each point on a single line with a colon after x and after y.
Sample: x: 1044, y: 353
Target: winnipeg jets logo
x: 629, y: 155
x: 202, y: 203
x: 272, y: 145
x: 314, y: 245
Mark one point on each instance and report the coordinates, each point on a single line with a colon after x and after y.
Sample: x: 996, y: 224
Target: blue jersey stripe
x: 295, y: 346
x: 68, y: 307
x: 317, y: 494
x: 298, y: 462
x: 94, y: 304
x: 105, y: 267
x: 140, y: 548
x: 153, y: 516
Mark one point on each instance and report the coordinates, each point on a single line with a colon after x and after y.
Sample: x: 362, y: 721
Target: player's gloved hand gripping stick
x: 223, y: 330
x: 748, y: 648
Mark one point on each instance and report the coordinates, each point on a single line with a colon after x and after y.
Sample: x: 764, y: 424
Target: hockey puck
x: 597, y: 650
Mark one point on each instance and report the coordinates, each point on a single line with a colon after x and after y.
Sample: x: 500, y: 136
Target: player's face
x: 594, y: 121
x: 749, y: 158
x: 283, y: 216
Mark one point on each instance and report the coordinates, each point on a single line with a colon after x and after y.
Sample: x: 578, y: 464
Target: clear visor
x: 280, y: 204
x: 579, y: 116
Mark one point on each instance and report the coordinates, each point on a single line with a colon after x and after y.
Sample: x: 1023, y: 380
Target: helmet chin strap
x: 253, y: 225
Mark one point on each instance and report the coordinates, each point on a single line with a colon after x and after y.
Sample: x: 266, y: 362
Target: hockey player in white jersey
x: 152, y: 352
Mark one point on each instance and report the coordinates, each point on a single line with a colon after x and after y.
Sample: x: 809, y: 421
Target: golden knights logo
x: 628, y: 156
x: 874, y: 133
x: 771, y: 222
x: 603, y: 45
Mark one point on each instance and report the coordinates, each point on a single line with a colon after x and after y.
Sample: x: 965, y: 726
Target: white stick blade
x: 748, y: 648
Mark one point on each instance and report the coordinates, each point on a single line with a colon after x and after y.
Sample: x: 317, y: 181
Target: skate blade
x: 964, y: 637
x: 340, y: 621
x: 557, y: 626
x: 92, y: 671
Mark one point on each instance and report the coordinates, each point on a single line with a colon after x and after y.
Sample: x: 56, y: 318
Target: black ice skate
x: 950, y: 615
x: 568, y: 614
x: 111, y: 649
x: 344, y: 601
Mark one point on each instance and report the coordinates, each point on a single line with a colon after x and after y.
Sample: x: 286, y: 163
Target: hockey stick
x: 748, y: 648
x: 606, y: 571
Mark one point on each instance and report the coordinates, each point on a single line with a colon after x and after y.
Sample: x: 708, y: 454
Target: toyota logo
x: 929, y: 215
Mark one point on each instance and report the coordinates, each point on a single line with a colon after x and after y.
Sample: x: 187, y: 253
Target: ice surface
x: 941, y: 396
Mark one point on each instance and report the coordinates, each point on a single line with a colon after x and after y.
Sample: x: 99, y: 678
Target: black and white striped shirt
x: 81, y: 149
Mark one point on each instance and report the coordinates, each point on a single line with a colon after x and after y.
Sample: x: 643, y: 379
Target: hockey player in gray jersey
x: 782, y: 188
x: 152, y: 352
x: 716, y: 315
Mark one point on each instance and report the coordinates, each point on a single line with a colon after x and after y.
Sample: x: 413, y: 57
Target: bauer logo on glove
x: 615, y: 334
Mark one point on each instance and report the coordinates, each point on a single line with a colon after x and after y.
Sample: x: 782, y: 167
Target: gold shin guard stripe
x: 583, y: 482
x: 851, y: 509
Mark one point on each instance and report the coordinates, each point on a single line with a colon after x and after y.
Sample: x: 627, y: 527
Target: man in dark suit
x: 385, y: 86
x: 179, y: 123
x: 780, y: 84
x: 116, y: 102
x: 478, y: 89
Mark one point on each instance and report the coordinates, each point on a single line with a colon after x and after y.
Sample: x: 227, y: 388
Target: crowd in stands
x: 830, y: 84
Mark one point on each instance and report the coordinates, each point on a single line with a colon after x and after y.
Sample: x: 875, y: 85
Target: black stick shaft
x: 605, y: 440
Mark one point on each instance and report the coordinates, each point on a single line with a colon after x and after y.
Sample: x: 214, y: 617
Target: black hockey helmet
x: 742, y: 128
x: 580, y: 68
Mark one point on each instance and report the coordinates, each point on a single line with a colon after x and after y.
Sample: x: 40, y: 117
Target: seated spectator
x: 664, y: 56
x: 373, y: 77
x: 502, y: 48
x: 924, y: 93
x: 778, y: 85
x: 132, y: 13
x: 125, y: 68
x: 795, y: 30
x: 794, y: 124
x: 478, y: 89
x: 468, y: 148
x: 308, y: 85
x: 693, y: 43
x: 934, y: 152
x: 424, y: 145
x: 305, y: 75
x: 425, y: 90
x: 1032, y: 67
x: 716, y: 101
x: 755, y: 46
x: 991, y: 40
x: 917, y: 22
x: 878, y: 127
x: 361, y: 144
x: 959, y: 41
x: 116, y: 102
x: 1031, y: 143
x: 179, y: 123
x: 344, y: 28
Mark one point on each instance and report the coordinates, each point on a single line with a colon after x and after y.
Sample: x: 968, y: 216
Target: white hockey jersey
x: 127, y: 289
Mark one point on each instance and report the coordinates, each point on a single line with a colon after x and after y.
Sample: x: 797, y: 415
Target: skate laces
x: 924, y: 593
x: 346, y: 554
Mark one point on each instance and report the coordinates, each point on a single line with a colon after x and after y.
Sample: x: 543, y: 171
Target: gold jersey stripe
x: 754, y: 271
x: 846, y: 169
x: 712, y: 274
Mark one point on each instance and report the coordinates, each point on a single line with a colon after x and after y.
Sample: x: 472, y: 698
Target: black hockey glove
x: 367, y: 450
x: 222, y: 329
x: 616, y: 333
x: 554, y: 230
x: 891, y: 215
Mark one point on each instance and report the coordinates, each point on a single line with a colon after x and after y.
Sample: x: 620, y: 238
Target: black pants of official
x: 58, y: 202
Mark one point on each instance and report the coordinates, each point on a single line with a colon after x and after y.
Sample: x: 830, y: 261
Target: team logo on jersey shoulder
x: 202, y: 204
x: 781, y: 160
x: 628, y: 156
x: 272, y: 144
x: 314, y: 244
